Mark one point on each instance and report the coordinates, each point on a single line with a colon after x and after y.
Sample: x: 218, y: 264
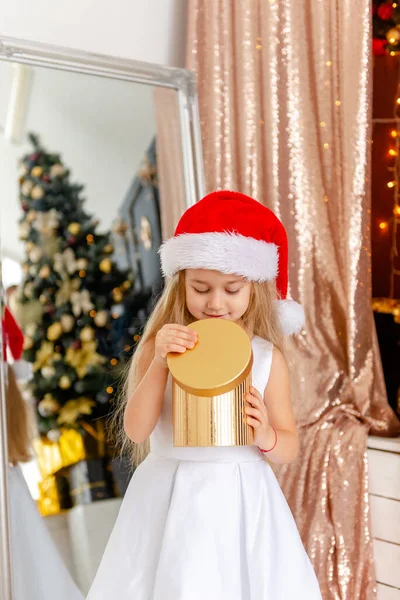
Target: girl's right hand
x: 173, y: 338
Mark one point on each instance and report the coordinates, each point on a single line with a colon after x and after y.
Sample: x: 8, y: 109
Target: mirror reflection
x: 82, y: 217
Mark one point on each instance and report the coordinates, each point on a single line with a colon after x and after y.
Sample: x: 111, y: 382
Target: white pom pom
x: 290, y: 316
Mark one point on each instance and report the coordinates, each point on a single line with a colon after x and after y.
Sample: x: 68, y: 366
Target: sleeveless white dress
x: 39, y: 572
x: 205, y: 524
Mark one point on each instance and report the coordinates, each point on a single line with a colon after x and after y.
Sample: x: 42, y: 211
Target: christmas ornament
x: 234, y: 234
x: 87, y: 334
x: 81, y: 303
x: 73, y: 409
x: 31, y: 216
x: 48, y: 372
x: 48, y: 406
x: 393, y: 35
x: 35, y: 254
x: 25, y: 268
x: 28, y: 289
x: 83, y: 358
x: 47, y: 222
x: 37, y: 193
x: 23, y: 170
x: 105, y: 265
x: 67, y: 322
x: 54, y: 435
x: 101, y: 318
x: 37, y: 171
x: 28, y: 343
x: 44, y: 272
x: 67, y: 290
x: 31, y: 329
x: 81, y: 264
x: 126, y: 285
x: 45, y: 356
x: 74, y: 228
x: 117, y: 295
x: 32, y: 270
x: 385, y: 11
x: 108, y: 249
x: 54, y: 331
x: 65, y: 382
x: 65, y: 262
x: 57, y: 170
x: 26, y: 188
x: 24, y: 230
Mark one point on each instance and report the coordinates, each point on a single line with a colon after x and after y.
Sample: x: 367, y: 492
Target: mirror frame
x: 14, y: 50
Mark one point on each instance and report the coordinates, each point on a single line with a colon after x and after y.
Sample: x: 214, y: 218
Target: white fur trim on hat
x: 290, y: 316
x: 225, y: 252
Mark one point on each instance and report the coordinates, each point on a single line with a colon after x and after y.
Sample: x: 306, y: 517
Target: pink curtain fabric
x: 285, y: 105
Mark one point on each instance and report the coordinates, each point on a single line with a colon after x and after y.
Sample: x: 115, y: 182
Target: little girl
x: 212, y: 523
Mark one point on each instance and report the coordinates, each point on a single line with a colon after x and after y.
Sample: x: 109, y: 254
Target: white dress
x: 205, y: 524
x: 38, y: 570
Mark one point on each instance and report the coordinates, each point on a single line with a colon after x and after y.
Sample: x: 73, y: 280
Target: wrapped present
x: 53, y: 495
x: 90, y: 480
x: 71, y: 448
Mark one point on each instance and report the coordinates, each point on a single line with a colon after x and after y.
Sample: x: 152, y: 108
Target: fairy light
x: 392, y: 152
x: 391, y: 184
x: 392, y: 224
x: 113, y: 362
x: 383, y: 225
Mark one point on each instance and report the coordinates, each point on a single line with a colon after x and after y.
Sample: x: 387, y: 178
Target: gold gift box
x: 209, y: 385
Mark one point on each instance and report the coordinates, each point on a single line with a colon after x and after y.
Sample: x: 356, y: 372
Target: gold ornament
x: 37, y: 193
x: 48, y: 406
x: 73, y: 409
x: 67, y: 323
x: 67, y: 290
x: 126, y: 285
x: 81, y: 264
x: 65, y: 382
x: 28, y: 289
x: 108, y: 248
x: 29, y: 246
x: 81, y: 303
x: 117, y: 295
x: 44, y: 272
x: 393, y: 36
x: 26, y: 188
x: 105, y: 265
x: 48, y: 372
x: 54, y: 331
x: 35, y: 254
x: 87, y: 334
x: 33, y: 270
x: 101, y: 318
x: 83, y: 358
x: 74, y: 228
x: 25, y: 268
x: 45, y: 356
x: 37, y: 171
x: 57, y: 170
x: 28, y: 343
x: 43, y: 298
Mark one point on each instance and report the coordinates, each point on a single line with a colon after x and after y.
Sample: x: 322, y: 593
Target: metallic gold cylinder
x: 209, y: 384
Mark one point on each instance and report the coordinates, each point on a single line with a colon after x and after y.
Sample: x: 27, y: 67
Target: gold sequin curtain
x: 285, y: 106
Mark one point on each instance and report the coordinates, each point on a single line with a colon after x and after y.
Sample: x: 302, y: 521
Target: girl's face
x: 214, y: 294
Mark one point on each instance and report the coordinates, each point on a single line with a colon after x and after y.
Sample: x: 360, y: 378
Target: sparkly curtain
x: 285, y: 106
x: 169, y: 159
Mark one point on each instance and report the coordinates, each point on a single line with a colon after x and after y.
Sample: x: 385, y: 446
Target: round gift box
x: 209, y: 385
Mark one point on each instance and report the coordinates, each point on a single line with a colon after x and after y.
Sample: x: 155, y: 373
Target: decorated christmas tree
x: 72, y: 300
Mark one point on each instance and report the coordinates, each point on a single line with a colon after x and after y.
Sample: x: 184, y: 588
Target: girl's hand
x: 173, y: 338
x: 257, y: 418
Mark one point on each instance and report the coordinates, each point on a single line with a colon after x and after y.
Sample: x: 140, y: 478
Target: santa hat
x: 232, y: 233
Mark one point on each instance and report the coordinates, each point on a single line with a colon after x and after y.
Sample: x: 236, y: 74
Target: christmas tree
x: 72, y: 299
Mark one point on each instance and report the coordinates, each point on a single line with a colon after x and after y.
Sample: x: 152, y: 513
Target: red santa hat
x: 232, y: 233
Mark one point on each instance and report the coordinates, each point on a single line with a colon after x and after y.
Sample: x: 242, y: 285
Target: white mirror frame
x: 184, y: 82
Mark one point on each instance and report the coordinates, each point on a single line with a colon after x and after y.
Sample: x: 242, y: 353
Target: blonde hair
x: 19, y: 422
x: 259, y: 318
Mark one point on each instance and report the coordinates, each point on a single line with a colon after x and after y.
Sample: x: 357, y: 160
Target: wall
x: 101, y: 127
x: 148, y: 30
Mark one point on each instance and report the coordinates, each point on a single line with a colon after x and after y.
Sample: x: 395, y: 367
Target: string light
x: 391, y: 184
x: 383, y: 225
x: 109, y: 390
x: 393, y: 133
x: 113, y: 362
x: 392, y: 152
x: 93, y: 313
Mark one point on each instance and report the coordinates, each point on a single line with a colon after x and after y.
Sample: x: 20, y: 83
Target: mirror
x: 99, y: 157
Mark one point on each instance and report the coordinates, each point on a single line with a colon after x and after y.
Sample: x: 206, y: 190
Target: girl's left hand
x: 257, y: 418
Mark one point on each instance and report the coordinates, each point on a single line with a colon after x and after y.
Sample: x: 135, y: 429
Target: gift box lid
x: 220, y: 361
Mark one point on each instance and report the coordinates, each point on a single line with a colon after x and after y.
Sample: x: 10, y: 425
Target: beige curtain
x: 285, y: 104
x: 169, y: 159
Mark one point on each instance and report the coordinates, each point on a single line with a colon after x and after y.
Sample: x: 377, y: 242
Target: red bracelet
x: 275, y: 442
